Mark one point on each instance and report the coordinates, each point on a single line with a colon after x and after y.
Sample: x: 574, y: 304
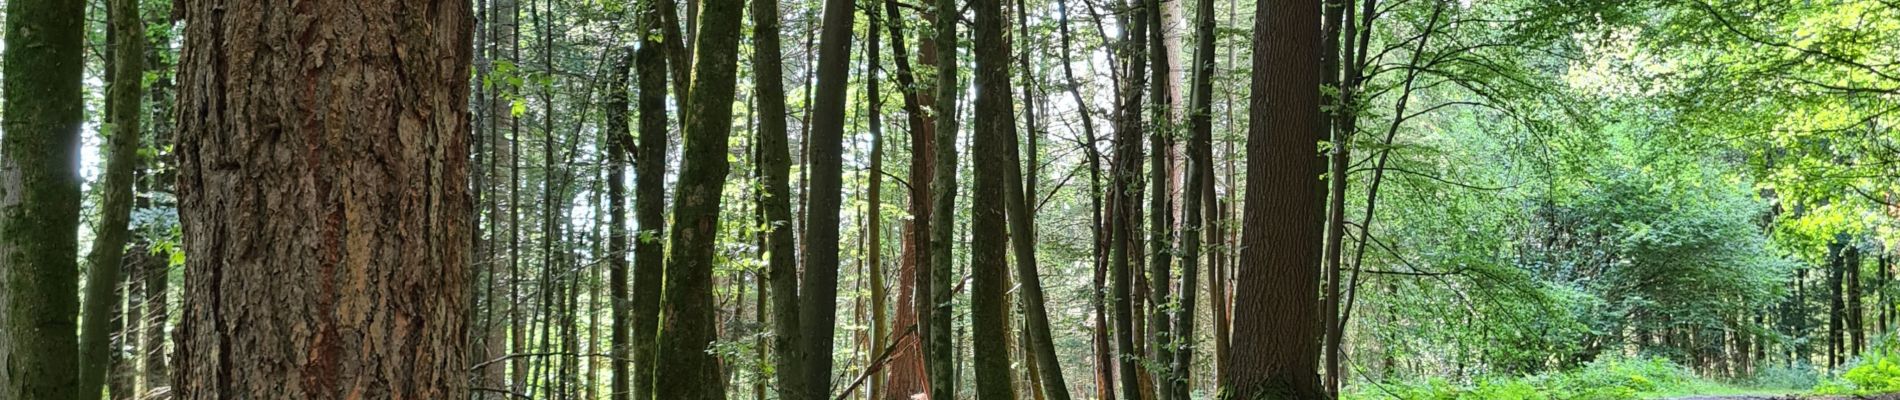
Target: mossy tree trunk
x: 39, y: 199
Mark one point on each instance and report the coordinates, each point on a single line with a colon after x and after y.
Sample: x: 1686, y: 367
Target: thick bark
x: 818, y: 290
x: 993, y: 147
x: 906, y: 377
x: 39, y: 199
x: 324, y: 200
x: 775, y: 172
x: 649, y: 201
x: 619, y: 146
x: 115, y: 204
x: 1275, y: 330
x: 939, y: 353
x: 692, y: 373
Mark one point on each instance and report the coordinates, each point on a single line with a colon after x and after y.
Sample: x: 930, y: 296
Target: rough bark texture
x: 324, y: 200
x: 993, y: 147
x: 689, y: 328
x: 775, y: 163
x: 619, y: 146
x: 127, y: 62
x: 939, y: 353
x: 649, y: 200
x: 818, y: 291
x: 1276, y: 331
x: 39, y: 199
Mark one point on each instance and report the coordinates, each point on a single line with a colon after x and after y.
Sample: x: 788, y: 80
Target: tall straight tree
x: 649, y: 197
x: 619, y: 147
x: 115, y: 207
x: 1196, y: 193
x: 874, y: 228
x: 992, y: 147
x: 818, y: 291
x: 301, y: 173
x: 775, y: 163
x: 1161, y: 201
x: 939, y: 352
x: 692, y: 372
x: 1124, y: 181
x: 1276, y: 329
x: 39, y: 199
x: 906, y: 367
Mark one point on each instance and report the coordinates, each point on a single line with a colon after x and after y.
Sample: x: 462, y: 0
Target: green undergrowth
x: 1604, y: 379
x: 1877, y: 371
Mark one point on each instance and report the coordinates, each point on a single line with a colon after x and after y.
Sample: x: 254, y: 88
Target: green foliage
x: 1876, y: 372
x: 1609, y: 378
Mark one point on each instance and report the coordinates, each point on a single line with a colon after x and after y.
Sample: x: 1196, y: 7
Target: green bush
x: 1875, y: 372
x: 1604, y: 379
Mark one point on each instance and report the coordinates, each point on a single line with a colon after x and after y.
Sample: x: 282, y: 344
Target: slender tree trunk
x: 1019, y: 209
x: 1835, y: 304
x: 691, y: 372
x: 619, y: 147
x: 115, y: 206
x: 906, y: 367
x: 649, y: 199
x: 880, y: 323
x: 1105, y: 386
x: 39, y: 199
x: 1196, y: 194
x: 775, y: 170
x: 122, y: 378
x: 818, y: 290
x: 1161, y: 202
x: 939, y: 352
x: 155, y: 274
x: 1856, y: 336
x: 1124, y: 181
x: 1275, y: 332
x: 403, y: 216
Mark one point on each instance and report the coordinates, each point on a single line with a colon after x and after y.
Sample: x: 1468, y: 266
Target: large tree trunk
x: 325, y: 201
x: 818, y: 291
x: 39, y: 199
x: 775, y: 165
x: 1276, y: 331
x: 993, y: 147
x: 123, y: 97
x: 649, y: 199
x: 692, y: 373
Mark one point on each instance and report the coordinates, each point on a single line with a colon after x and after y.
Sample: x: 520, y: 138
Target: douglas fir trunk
x: 325, y: 200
